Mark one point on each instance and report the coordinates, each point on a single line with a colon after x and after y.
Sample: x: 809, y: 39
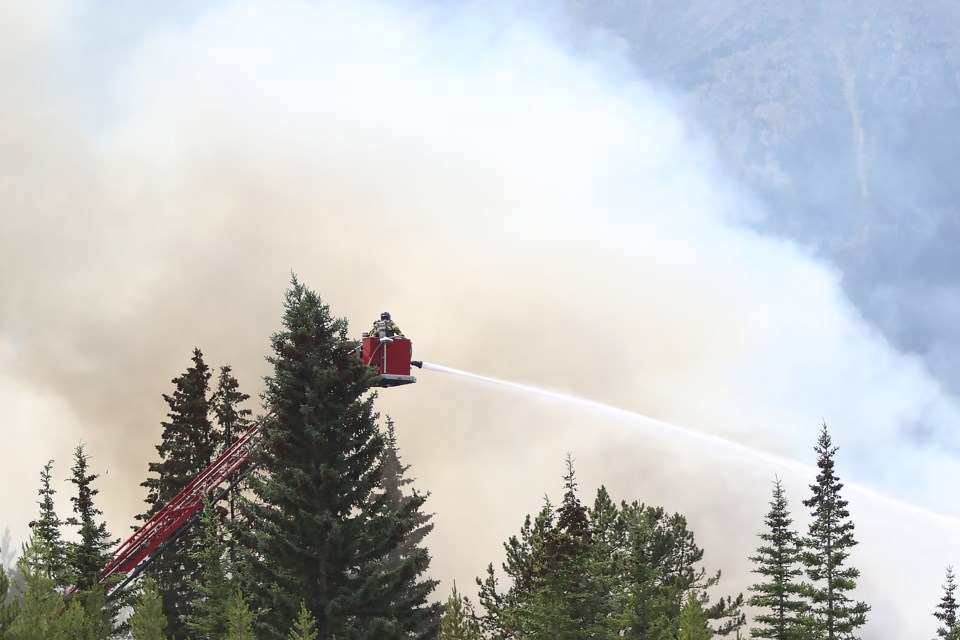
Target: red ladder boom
x: 177, y: 516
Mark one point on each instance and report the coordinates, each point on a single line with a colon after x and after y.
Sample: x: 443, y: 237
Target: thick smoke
x: 523, y: 212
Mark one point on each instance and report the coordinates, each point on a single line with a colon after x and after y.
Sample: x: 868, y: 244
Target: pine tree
x: 148, y: 621
x: 232, y: 418
x: 188, y: 444
x: 240, y: 619
x: 47, y: 529
x: 693, y: 622
x: 305, y: 626
x: 946, y: 611
x: 319, y: 529
x: 214, y: 588
x: 458, y: 621
x: 779, y: 596
x: 826, y: 549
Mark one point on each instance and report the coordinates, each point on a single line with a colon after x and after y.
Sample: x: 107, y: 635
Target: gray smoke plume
x: 523, y: 211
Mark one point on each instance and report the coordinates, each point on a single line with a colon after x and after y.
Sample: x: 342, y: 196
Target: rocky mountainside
x: 844, y: 117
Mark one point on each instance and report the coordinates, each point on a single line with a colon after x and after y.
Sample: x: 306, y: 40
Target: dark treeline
x: 326, y: 538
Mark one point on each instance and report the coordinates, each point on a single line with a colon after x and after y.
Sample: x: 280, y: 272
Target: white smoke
x: 523, y: 211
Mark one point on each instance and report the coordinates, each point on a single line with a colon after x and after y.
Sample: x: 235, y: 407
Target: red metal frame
x: 132, y: 555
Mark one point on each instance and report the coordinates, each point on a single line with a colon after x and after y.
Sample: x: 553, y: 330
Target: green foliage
x: 826, y: 549
x: 305, y: 626
x: 148, y: 621
x: 8, y: 610
x: 39, y: 614
x: 946, y: 612
x: 47, y: 529
x: 458, y: 621
x: 779, y: 596
x: 232, y: 418
x: 693, y: 622
x: 607, y: 572
x: 319, y: 526
x: 214, y: 588
x: 86, y: 558
x: 240, y: 619
x: 188, y: 445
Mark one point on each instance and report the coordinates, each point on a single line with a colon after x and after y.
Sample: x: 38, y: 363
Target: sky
x: 526, y: 210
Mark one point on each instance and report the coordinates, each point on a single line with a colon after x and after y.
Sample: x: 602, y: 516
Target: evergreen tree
x: 458, y: 621
x: 827, y: 547
x: 240, y: 619
x: 319, y: 528
x: 305, y: 626
x: 232, y: 418
x: 946, y: 611
x: 87, y: 558
x: 187, y: 447
x: 604, y: 572
x: 47, y: 529
x: 409, y: 557
x: 8, y: 606
x: 570, y: 596
x: 693, y: 622
x: 40, y: 612
x: 779, y: 596
x: 148, y: 621
x: 214, y: 588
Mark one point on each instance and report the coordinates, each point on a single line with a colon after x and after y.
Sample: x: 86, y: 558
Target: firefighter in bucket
x: 385, y: 327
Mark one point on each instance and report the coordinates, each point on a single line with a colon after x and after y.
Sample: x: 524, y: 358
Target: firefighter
x: 385, y: 327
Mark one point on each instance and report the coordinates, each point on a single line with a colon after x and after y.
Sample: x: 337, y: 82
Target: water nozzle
x: 417, y: 363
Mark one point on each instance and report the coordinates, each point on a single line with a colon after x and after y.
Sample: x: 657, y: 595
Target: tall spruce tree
x: 188, y: 445
x: 319, y: 528
x: 826, y: 550
x: 47, y: 527
x: 232, y: 418
x: 946, y: 612
x: 779, y: 596
x: 87, y: 557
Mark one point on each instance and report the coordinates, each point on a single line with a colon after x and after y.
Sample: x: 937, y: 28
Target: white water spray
x: 776, y: 462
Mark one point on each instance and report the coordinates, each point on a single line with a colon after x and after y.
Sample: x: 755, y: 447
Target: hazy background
x: 724, y: 216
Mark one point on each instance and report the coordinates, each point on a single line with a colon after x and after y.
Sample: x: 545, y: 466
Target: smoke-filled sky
x: 526, y: 210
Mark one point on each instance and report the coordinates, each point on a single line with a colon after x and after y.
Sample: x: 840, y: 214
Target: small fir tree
x: 946, y: 612
x: 409, y: 556
x: 240, y: 619
x: 305, y: 626
x: 826, y: 550
x: 779, y: 596
x: 458, y: 621
x: 693, y: 622
x: 148, y: 621
x: 214, y: 588
x: 188, y: 445
x: 47, y: 529
x: 39, y: 614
